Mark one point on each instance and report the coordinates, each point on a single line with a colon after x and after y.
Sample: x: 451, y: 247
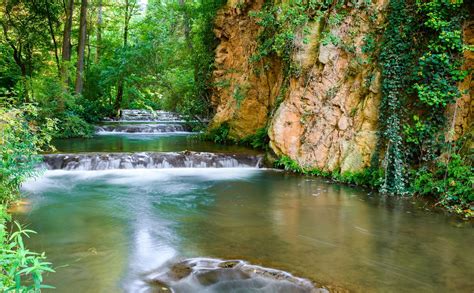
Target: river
x: 112, y: 229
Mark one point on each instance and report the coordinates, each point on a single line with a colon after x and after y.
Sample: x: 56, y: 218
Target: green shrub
x: 73, y: 126
x: 21, y: 269
x: 450, y: 181
x: 219, y: 134
x: 368, y: 177
x: 21, y: 140
x: 259, y: 140
x: 289, y: 164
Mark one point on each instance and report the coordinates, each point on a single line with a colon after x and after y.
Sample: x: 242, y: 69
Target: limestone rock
x: 328, y: 117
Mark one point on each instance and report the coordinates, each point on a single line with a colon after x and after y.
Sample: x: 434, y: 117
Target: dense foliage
x: 21, y: 140
x: 420, y: 153
x: 157, y: 55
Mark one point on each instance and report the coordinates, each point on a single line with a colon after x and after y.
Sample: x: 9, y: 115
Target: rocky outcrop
x: 242, y: 96
x: 461, y: 114
x: 329, y: 117
x: 329, y: 113
x: 326, y: 115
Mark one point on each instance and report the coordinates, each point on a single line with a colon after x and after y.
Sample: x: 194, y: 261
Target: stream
x: 148, y: 207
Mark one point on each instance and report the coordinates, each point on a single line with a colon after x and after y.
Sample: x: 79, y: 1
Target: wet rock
x: 180, y: 270
x: 158, y: 286
x: 229, y: 264
x: 214, y: 276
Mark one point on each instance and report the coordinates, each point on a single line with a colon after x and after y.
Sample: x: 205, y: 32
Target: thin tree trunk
x: 53, y: 37
x: 81, y: 47
x: 66, y: 46
x: 99, y: 32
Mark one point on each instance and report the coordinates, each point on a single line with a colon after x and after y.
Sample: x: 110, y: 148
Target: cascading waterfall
x: 186, y: 159
x: 143, y: 128
x: 145, y: 115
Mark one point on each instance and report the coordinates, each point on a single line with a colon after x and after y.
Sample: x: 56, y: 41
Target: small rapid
x: 133, y: 115
x: 149, y: 160
x: 159, y: 128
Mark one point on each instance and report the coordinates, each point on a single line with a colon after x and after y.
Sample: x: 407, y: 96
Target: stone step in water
x: 142, y: 128
x: 186, y: 159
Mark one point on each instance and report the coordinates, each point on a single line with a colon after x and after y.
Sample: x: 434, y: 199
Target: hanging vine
x: 396, y: 59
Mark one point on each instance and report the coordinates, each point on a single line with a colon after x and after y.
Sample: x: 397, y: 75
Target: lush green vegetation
x: 85, y: 60
x: 369, y: 177
x: 21, y: 140
x: 416, y: 139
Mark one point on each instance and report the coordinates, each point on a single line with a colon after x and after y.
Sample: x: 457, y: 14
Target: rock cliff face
x: 462, y: 114
x: 242, y: 96
x: 328, y: 114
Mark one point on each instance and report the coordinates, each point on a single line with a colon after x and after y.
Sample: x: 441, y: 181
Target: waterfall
x: 143, y: 128
x: 145, y: 115
x: 149, y: 160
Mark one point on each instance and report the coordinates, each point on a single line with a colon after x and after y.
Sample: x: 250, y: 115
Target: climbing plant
x: 421, y: 61
x: 396, y: 60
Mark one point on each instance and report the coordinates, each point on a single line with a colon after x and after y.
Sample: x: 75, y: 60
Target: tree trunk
x: 120, y: 86
x: 187, y: 25
x: 99, y: 32
x: 17, y: 56
x: 53, y: 37
x: 66, y: 48
x: 81, y: 47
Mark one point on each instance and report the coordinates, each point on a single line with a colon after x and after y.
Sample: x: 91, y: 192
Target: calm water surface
x: 104, y: 229
x: 125, y: 142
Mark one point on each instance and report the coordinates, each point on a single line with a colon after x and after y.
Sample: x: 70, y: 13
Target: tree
x: 66, y: 46
x: 130, y: 7
x: 23, y: 24
x: 81, y: 47
x: 99, y: 31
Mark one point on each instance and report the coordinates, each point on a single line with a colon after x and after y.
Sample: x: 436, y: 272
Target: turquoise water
x: 115, y: 230
x: 168, y: 142
x: 105, y: 231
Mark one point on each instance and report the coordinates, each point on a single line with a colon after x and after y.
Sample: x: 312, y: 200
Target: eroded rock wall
x: 329, y: 119
x: 329, y: 113
x: 242, y: 96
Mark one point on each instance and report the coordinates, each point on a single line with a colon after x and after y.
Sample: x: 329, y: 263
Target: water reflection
x: 113, y: 227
